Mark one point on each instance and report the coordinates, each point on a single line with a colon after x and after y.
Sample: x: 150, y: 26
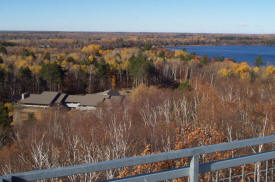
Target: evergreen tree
x: 140, y: 68
x: 3, y: 50
x: 53, y: 74
x: 102, y: 68
x: 258, y: 61
x: 25, y: 78
x: 5, y: 125
x: 5, y: 120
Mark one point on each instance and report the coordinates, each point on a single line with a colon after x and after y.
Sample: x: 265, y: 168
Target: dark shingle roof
x: 92, y: 99
x: 74, y: 98
x: 86, y: 100
x: 110, y: 93
x: 49, y: 98
x: 61, y: 98
x: 45, y: 98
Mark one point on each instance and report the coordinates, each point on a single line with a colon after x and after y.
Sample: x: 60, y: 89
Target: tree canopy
x: 258, y: 61
x: 52, y: 73
x: 140, y: 67
x: 5, y: 120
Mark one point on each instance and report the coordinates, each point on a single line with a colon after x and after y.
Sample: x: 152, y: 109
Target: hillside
x: 178, y: 100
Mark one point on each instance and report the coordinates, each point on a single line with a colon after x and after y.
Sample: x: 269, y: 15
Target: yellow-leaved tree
x: 225, y: 72
x: 91, y: 49
x: 35, y: 69
x: 243, y: 70
x: 270, y: 70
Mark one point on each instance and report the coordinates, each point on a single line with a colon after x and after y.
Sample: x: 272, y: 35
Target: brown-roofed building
x: 34, y: 104
x: 81, y: 102
x: 60, y: 100
x: 93, y: 99
x: 110, y: 93
x: 89, y: 101
x: 45, y: 99
x: 85, y: 102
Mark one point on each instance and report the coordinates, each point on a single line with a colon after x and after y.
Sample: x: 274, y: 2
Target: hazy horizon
x: 68, y: 31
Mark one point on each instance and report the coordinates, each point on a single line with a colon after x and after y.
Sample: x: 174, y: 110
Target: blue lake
x: 240, y: 53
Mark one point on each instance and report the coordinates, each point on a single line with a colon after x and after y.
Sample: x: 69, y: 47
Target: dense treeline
x: 93, y: 68
x: 119, y: 40
x: 86, y: 71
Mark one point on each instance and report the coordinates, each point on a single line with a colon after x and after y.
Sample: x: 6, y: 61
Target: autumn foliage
x: 177, y: 100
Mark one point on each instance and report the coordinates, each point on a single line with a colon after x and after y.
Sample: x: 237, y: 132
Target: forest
x: 178, y: 99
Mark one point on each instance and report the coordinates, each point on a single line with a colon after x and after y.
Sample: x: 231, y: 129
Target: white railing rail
x: 192, y: 171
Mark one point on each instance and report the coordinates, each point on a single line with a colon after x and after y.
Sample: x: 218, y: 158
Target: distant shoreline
x: 240, y: 53
x: 210, y: 45
x: 137, y: 32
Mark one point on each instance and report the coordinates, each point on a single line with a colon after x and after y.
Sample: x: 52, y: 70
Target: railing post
x: 5, y: 179
x: 266, y: 171
x: 230, y: 175
x: 217, y: 176
x: 2, y: 179
x: 243, y: 175
x: 194, y: 169
x: 255, y: 172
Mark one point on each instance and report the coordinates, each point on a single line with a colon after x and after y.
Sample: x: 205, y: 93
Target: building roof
x: 45, y: 98
x: 74, y: 98
x: 86, y: 100
x: 49, y: 98
x: 92, y: 99
x: 110, y: 93
x: 61, y: 98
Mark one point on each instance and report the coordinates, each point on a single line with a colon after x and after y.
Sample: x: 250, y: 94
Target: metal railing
x: 192, y: 171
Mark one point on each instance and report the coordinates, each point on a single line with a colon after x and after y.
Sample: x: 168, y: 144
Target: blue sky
x: 196, y: 16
